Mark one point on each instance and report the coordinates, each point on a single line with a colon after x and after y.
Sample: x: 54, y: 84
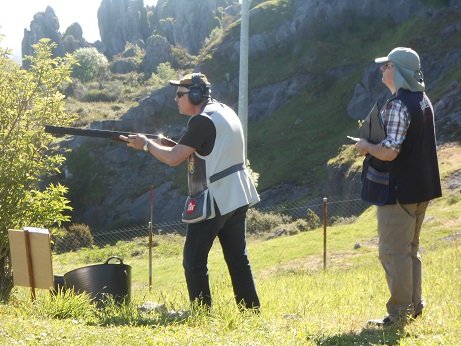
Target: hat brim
x: 381, y: 60
x: 178, y: 83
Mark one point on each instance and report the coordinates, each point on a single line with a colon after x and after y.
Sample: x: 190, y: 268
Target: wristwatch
x: 146, y: 146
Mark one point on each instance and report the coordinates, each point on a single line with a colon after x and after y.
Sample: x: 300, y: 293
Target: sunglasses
x: 180, y: 94
x: 387, y: 66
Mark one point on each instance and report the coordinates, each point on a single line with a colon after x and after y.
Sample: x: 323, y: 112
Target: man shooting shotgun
x: 220, y: 188
x: 112, y: 135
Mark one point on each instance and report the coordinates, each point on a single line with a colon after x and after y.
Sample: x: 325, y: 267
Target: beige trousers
x: 399, y: 228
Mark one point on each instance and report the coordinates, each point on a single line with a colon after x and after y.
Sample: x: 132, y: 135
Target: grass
x: 302, y: 304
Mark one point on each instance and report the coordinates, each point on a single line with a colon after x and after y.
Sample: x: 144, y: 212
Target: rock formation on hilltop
x: 157, y: 29
x: 46, y: 25
x: 188, y: 23
x: 122, y: 21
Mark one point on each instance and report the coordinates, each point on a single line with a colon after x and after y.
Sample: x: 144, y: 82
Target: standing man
x: 214, y: 146
x: 410, y: 154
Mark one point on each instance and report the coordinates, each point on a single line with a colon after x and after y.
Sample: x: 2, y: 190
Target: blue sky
x: 16, y: 15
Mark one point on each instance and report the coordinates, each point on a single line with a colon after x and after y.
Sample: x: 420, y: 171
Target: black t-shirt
x: 200, y: 135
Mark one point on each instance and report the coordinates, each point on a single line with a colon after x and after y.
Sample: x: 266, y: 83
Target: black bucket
x: 102, y: 280
x: 58, y: 284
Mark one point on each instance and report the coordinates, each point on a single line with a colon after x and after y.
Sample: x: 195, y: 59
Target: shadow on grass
x: 368, y: 336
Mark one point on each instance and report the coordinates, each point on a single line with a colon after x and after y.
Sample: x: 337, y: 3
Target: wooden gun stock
x: 112, y: 135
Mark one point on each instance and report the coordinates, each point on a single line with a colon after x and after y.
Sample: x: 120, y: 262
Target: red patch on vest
x: 191, y: 206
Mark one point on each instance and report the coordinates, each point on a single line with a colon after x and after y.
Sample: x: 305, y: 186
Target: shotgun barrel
x: 112, y: 135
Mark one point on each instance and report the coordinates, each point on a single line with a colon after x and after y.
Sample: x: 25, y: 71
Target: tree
x: 29, y: 99
x: 89, y: 64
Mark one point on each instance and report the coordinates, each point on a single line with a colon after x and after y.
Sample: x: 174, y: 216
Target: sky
x: 16, y: 15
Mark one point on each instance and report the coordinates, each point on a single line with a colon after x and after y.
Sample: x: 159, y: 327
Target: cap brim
x: 381, y: 60
x: 175, y: 82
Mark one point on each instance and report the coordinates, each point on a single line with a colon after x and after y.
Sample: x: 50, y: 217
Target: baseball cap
x: 407, y: 68
x: 186, y: 81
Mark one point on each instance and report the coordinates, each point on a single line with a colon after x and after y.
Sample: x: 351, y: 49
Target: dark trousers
x: 231, y: 231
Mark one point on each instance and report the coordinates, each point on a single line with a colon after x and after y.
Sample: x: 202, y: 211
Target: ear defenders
x: 197, y: 91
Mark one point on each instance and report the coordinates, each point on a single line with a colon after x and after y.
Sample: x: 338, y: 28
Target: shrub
x: 259, y: 222
x: 90, y: 64
x: 312, y: 220
x: 75, y: 237
x: 99, y: 96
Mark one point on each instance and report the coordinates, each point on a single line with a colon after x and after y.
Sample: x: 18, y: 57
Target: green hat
x: 407, y: 68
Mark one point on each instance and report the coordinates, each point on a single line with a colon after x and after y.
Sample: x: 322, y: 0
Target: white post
x: 243, y: 73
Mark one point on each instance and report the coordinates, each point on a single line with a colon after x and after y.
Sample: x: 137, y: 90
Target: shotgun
x: 112, y: 135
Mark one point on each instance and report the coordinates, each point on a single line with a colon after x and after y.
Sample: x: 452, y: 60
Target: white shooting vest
x: 236, y: 189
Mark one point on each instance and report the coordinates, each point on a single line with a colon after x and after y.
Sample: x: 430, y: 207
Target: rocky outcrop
x: 171, y: 23
x: 187, y: 23
x: 121, y: 22
x: 44, y: 25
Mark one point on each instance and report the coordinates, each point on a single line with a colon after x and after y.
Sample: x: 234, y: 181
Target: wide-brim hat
x: 407, y: 68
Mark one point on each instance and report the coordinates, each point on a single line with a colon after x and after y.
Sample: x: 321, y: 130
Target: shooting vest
x: 414, y: 173
x: 231, y: 186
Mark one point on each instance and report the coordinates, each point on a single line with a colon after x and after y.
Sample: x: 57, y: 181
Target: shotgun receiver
x: 112, y: 135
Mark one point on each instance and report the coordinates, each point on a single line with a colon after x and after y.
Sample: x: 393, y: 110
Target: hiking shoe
x: 383, y: 322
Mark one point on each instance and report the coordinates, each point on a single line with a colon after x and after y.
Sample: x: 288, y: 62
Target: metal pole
x: 325, y: 232
x: 150, y: 236
x: 243, y: 73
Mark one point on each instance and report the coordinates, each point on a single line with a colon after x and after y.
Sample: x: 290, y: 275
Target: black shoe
x: 383, y: 322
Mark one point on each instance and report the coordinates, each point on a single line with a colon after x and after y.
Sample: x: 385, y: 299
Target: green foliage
x: 104, y: 95
x: 254, y: 175
x: 261, y: 223
x: 273, y: 13
x: 215, y: 34
x: 312, y: 220
x: 29, y: 99
x: 87, y: 187
x: 63, y: 304
x: 77, y: 236
x: 89, y: 64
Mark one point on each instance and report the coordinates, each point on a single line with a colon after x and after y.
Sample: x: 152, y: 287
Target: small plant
x: 100, y: 96
x: 259, y: 222
x: 75, y: 237
x: 312, y: 220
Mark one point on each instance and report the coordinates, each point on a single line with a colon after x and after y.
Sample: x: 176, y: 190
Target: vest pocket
x: 375, y: 185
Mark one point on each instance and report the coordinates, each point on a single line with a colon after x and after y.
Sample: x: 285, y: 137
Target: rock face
x: 120, y: 22
x: 187, y: 23
x: 46, y: 25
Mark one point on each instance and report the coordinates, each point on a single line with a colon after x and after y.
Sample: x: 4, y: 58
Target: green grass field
x: 302, y: 304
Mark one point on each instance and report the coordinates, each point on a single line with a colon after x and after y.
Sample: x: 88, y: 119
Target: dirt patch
x: 314, y: 263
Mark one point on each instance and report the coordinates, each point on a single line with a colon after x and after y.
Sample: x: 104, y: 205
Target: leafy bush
x: 259, y: 222
x: 29, y: 99
x: 75, y: 237
x: 99, y: 96
x: 90, y: 64
x: 312, y: 221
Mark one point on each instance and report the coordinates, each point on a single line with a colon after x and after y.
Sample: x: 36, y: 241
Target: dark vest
x: 414, y: 173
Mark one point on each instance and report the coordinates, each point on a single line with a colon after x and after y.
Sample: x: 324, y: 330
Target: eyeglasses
x: 387, y: 66
x: 180, y: 94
